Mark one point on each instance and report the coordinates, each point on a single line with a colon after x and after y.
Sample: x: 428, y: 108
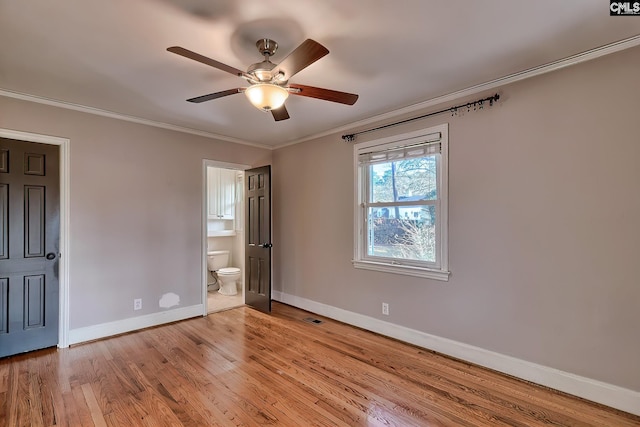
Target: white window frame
x: 361, y: 260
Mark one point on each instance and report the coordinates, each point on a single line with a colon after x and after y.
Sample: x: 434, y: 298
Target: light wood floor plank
x: 67, y: 415
x: 94, y: 408
x: 82, y: 407
x: 243, y: 368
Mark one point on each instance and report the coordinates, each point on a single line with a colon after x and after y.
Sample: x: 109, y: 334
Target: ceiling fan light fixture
x: 268, y: 82
x: 266, y: 96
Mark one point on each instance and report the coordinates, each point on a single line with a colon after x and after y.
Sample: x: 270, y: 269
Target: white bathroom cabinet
x: 222, y: 200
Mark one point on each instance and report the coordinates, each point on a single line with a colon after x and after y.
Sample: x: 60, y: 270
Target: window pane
x: 406, y: 232
x: 404, y: 180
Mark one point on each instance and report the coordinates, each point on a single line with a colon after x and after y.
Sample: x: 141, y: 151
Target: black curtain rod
x: 453, y: 110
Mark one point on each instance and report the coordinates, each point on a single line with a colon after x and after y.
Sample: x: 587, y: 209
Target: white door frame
x: 63, y: 271
x: 205, y: 192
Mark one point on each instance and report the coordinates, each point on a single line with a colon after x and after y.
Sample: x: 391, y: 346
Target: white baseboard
x: 133, y: 323
x: 586, y: 388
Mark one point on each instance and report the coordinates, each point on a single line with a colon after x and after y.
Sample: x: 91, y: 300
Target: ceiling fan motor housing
x: 261, y: 70
x: 267, y: 47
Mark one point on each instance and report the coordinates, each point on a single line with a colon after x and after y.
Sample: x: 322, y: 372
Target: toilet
x: 217, y: 263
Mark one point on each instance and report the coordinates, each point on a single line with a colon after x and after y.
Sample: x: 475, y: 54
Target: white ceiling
x: 111, y: 55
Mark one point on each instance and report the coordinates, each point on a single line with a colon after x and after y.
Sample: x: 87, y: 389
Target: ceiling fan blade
x: 302, y: 56
x: 204, y: 60
x: 280, y: 114
x: 216, y: 95
x: 325, y: 94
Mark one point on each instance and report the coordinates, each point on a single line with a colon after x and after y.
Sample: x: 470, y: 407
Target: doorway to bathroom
x: 223, y: 216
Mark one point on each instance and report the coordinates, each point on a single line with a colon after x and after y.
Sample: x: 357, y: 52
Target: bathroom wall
x: 237, y: 255
x: 221, y: 243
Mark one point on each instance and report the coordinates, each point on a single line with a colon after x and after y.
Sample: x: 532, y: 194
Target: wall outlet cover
x: 385, y: 308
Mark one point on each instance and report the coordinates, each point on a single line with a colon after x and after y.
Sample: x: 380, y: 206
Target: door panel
x: 33, y: 301
x: 258, y: 238
x: 4, y: 305
x: 29, y: 246
x: 34, y: 221
x: 4, y: 221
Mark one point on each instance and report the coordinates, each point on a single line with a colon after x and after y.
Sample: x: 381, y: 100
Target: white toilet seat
x: 228, y: 271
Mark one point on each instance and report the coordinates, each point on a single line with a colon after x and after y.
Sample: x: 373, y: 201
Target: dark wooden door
x: 29, y: 245
x: 257, y: 184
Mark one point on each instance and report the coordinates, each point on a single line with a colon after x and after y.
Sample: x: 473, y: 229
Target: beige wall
x: 136, y: 208
x: 544, y: 226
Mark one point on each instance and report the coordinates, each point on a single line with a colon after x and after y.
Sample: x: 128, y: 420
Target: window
x: 401, y: 204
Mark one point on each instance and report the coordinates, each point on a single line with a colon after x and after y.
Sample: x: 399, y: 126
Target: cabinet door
x: 213, y: 184
x: 239, y: 216
x: 227, y: 194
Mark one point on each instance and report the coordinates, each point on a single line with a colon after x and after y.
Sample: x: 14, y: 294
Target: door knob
x: 51, y: 256
x: 267, y: 245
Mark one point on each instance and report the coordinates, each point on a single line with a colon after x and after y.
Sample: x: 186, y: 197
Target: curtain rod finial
x: 349, y: 138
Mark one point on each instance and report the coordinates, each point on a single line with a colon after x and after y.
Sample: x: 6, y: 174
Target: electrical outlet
x: 137, y: 304
x: 385, y: 308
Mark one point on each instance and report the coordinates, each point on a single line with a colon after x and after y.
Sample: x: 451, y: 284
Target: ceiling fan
x: 269, y: 82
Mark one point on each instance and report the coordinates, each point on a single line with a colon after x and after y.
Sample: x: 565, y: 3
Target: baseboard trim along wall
x: 586, y: 388
x: 104, y: 330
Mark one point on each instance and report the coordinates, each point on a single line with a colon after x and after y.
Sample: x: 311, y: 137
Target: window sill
x: 406, y: 270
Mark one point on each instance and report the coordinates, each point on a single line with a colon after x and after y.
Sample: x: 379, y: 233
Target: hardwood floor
x: 243, y: 368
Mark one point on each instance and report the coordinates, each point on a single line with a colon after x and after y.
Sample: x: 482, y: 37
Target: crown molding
x: 125, y: 117
x: 473, y: 90
x: 493, y: 84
